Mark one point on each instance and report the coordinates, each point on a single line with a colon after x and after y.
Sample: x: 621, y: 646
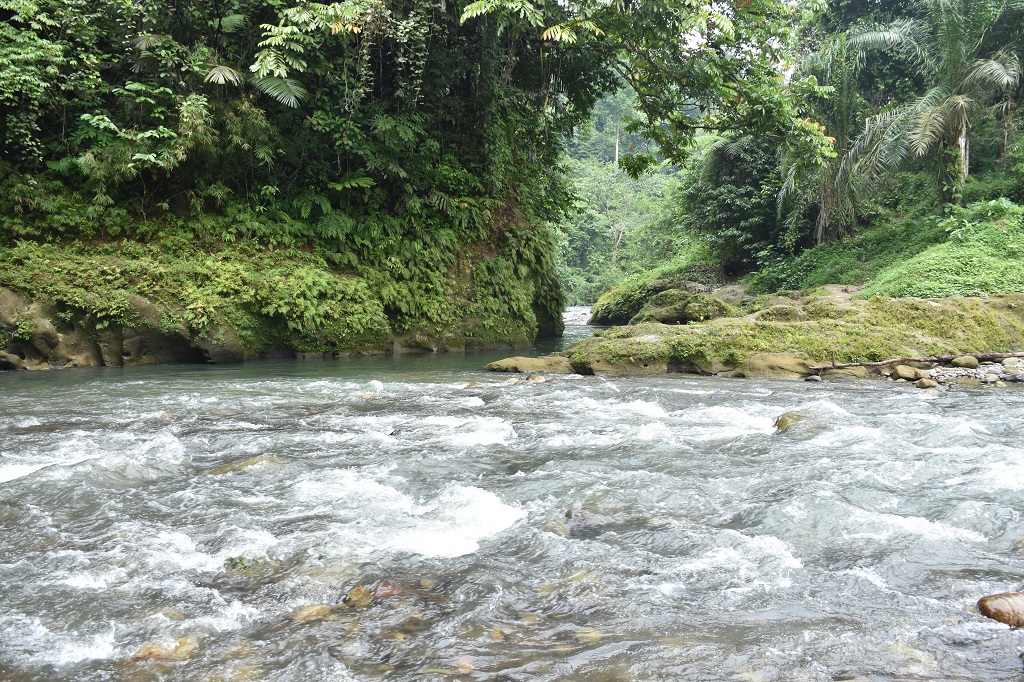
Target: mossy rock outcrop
x: 622, y: 303
x: 847, y: 331
x: 679, y: 306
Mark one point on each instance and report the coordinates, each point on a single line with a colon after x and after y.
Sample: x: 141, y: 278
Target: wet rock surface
x: 1006, y: 607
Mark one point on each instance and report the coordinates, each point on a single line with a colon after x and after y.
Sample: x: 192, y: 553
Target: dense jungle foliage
x: 414, y: 145
x: 465, y: 168
x: 918, y: 100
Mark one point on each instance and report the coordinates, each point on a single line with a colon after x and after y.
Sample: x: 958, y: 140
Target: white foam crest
x: 450, y: 525
x: 735, y: 419
x: 853, y: 436
x: 881, y: 526
x: 356, y: 489
x: 248, y: 542
x: 56, y: 648
x: 869, y: 575
x: 10, y: 472
x: 230, y: 616
x: 459, y: 518
x: 755, y: 562
x: 1001, y: 475
x: 641, y: 407
x: 475, y: 430
x: 177, y: 549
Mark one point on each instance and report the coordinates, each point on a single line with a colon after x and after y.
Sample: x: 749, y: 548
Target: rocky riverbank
x: 801, y: 336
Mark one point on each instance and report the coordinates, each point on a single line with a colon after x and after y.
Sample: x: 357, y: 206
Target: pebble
x: 986, y: 374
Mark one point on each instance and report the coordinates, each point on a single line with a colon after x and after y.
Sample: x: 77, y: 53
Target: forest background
x: 354, y: 176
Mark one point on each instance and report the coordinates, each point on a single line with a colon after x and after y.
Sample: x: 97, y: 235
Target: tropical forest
x: 511, y: 340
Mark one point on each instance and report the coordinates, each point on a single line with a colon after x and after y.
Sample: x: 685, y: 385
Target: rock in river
x: 1005, y: 607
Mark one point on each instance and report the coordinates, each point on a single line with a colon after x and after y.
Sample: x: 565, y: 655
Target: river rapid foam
x: 174, y: 523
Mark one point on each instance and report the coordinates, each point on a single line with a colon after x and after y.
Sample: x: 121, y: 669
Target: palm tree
x: 951, y: 47
x: 834, y: 195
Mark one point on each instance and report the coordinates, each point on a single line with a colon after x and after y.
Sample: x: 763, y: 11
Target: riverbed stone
x: 548, y: 364
x: 773, y: 365
x: 926, y: 383
x: 1011, y: 362
x: 908, y: 373
x: 311, y: 612
x: 174, y: 650
x: 787, y: 420
x: 1005, y: 607
x: 965, y: 361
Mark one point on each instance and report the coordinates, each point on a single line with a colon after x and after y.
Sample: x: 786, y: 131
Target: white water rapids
x: 172, y: 523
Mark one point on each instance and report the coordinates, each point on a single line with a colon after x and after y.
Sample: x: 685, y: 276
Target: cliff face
x: 79, y: 305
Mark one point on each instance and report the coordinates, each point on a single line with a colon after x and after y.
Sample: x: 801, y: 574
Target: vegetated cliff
x: 182, y: 299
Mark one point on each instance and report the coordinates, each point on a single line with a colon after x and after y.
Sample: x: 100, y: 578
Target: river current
x: 185, y: 522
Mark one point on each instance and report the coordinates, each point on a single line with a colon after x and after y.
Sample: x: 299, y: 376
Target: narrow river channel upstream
x: 206, y: 522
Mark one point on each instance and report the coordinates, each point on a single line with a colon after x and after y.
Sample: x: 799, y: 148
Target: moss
x: 271, y: 300
x: 867, y: 331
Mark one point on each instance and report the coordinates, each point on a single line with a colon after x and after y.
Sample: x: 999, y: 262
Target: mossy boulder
x: 867, y: 331
x: 781, y: 313
x: 678, y: 306
x: 622, y: 303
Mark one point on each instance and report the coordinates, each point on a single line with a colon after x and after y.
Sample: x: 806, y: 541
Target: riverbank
x: 800, y: 335
x: 177, y: 298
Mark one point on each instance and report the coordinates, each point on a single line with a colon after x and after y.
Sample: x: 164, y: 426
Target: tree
x: 841, y: 111
x: 694, y: 67
x: 951, y: 48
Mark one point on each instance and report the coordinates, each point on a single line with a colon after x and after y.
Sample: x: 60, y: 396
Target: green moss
x: 867, y: 331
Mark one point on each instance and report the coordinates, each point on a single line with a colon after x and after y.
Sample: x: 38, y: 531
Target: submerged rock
x: 787, y: 420
x: 926, y: 383
x: 311, y: 612
x: 549, y: 364
x: 363, y: 596
x: 174, y: 650
x: 1005, y: 607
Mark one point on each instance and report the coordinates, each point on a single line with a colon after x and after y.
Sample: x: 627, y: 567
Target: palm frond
x: 287, y: 91
x: 221, y: 75
x: 909, y: 38
x: 1002, y: 71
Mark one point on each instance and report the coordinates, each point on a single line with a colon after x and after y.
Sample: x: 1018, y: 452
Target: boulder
x: 787, y: 420
x: 926, y: 383
x: 773, y: 365
x: 780, y: 313
x: 908, y: 373
x: 1005, y: 607
x: 965, y: 361
x: 548, y: 364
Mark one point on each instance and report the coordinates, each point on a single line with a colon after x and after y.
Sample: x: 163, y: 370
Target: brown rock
x: 965, y: 361
x: 926, y: 383
x: 311, y: 612
x: 1005, y: 607
x: 908, y: 373
x: 548, y: 364
x: 787, y: 421
x: 773, y: 365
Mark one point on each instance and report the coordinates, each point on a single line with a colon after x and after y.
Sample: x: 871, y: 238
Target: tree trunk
x: 964, y: 144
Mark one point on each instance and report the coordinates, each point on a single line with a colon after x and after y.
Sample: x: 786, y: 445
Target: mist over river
x: 204, y: 523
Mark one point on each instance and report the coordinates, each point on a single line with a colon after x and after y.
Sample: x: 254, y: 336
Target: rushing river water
x: 182, y: 522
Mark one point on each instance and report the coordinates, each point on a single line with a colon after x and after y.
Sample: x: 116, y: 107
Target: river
x: 184, y: 522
